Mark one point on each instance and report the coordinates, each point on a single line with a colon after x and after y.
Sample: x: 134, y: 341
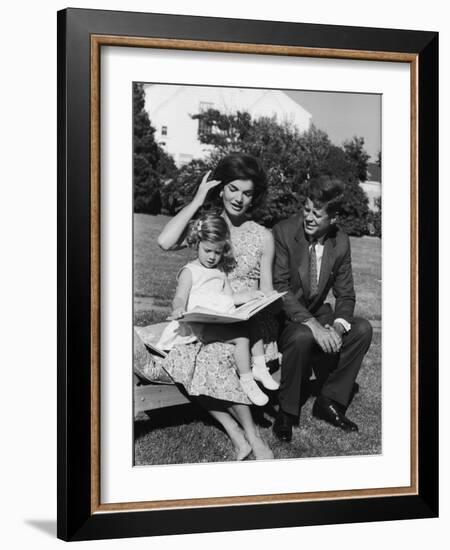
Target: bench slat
x: 157, y: 396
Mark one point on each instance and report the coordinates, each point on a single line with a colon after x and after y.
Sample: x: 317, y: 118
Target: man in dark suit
x: 312, y: 256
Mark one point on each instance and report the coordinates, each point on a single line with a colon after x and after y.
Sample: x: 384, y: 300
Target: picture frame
x: 81, y: 35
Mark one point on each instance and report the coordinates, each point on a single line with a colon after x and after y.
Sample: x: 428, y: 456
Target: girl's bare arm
x: 180, y: 300
x: 227, y: 288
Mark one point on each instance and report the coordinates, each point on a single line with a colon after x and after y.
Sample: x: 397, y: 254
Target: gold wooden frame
x: 97, y: 41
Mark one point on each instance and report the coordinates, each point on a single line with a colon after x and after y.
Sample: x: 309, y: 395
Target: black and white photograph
x: 228, y: 223
x: 257, y: 273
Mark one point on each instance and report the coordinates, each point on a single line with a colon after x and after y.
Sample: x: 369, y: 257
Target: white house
x: 372, y: 186
x: 170, y: 108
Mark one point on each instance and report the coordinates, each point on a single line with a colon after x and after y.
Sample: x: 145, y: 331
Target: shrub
x: 290, y: 159
x: 179, y: 191
x: 375, y: 219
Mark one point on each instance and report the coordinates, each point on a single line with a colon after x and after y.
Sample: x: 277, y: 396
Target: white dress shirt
x: 319, y: 254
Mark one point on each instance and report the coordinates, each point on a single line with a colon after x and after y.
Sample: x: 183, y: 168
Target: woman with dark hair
x: 238, y: 184
x: 238, y: 166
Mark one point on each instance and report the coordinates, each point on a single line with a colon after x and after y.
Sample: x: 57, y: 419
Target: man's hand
x: 326, y: 338
x: 336, y: 335
x: 339, y: 328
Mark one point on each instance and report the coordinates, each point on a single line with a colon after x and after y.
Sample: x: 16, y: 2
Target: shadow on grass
x: 169, y: 417
x: 186, y: 414
x: 188, y: 435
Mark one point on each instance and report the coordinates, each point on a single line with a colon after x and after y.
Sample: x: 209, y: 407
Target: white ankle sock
x: 261, y: 374
x: 259, y: 361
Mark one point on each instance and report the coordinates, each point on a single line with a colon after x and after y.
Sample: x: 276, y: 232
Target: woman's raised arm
x: 174, y: 231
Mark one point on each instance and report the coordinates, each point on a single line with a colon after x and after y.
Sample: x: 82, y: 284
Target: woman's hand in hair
x: 174, y: 233
x: 204, y: 188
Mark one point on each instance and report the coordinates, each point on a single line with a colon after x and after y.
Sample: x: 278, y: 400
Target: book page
x: 242, y: 313
x: 150, y: 335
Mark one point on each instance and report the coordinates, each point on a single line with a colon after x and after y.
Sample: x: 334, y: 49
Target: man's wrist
x: 341, y: 326
x: 298, y: 317
x: 311, y: 322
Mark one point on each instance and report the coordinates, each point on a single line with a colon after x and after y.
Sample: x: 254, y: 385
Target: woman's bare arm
x: 174, y: 232
x: 266, y: 266
x: 241, y: 297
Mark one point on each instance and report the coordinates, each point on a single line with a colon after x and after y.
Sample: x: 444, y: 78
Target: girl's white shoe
x: 251, y: 389
x: 261, y: 374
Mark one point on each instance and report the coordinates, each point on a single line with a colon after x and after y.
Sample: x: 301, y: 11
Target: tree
x: 354, y: 149
x: 354, y: 214
x: 289, y: 157
x: 178, y: 192
x: 223, y: 130
x: 336, y: 163
x: 280, y: 202
x: 275, y: 144
x: 375, y: 219
x: 379, y: 159
x: 151, y: 164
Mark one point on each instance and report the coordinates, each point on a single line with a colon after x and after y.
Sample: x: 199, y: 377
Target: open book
x: 241, y: 313
x: 150, y: 335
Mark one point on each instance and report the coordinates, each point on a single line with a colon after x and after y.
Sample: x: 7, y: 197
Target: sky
x: 343, y: 115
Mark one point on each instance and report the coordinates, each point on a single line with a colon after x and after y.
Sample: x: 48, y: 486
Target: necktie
x: 313, y: 284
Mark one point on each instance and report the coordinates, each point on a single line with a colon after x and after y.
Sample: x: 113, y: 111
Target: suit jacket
x: 291, y: 271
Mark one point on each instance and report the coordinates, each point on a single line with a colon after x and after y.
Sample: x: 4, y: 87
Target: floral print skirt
x: 202, y: 369
x: 210, y: 369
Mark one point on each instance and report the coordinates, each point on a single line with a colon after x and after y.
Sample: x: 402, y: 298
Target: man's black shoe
x: 282, y: 426
x: 330, y: 411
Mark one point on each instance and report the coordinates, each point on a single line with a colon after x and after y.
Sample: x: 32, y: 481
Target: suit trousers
x: 336, y: 372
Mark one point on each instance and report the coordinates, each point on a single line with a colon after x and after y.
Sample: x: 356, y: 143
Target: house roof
x: 258, y: 102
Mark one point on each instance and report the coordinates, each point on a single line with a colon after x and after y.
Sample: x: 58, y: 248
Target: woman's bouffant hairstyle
x: 238, y: 166
x: 325, y: 192
x: 214, y: 229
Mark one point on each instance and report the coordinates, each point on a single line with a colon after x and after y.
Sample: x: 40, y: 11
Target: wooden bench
x: 149, y: 396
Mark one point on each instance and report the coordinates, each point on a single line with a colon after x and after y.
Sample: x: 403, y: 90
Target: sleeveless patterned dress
x: 248, y: 241
x: 210, y: 369
x: 207, y: 290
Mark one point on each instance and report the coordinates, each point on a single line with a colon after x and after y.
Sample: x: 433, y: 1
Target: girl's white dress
x: 208, y: 290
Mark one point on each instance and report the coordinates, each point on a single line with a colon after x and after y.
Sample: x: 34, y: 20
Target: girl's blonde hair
x: 214, y: 229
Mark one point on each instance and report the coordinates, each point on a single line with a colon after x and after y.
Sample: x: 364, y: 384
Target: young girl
x: 204, y: 282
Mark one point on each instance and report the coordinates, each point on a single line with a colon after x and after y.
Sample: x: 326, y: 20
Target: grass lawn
x: 155, y: 270
x: 187, y: 434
